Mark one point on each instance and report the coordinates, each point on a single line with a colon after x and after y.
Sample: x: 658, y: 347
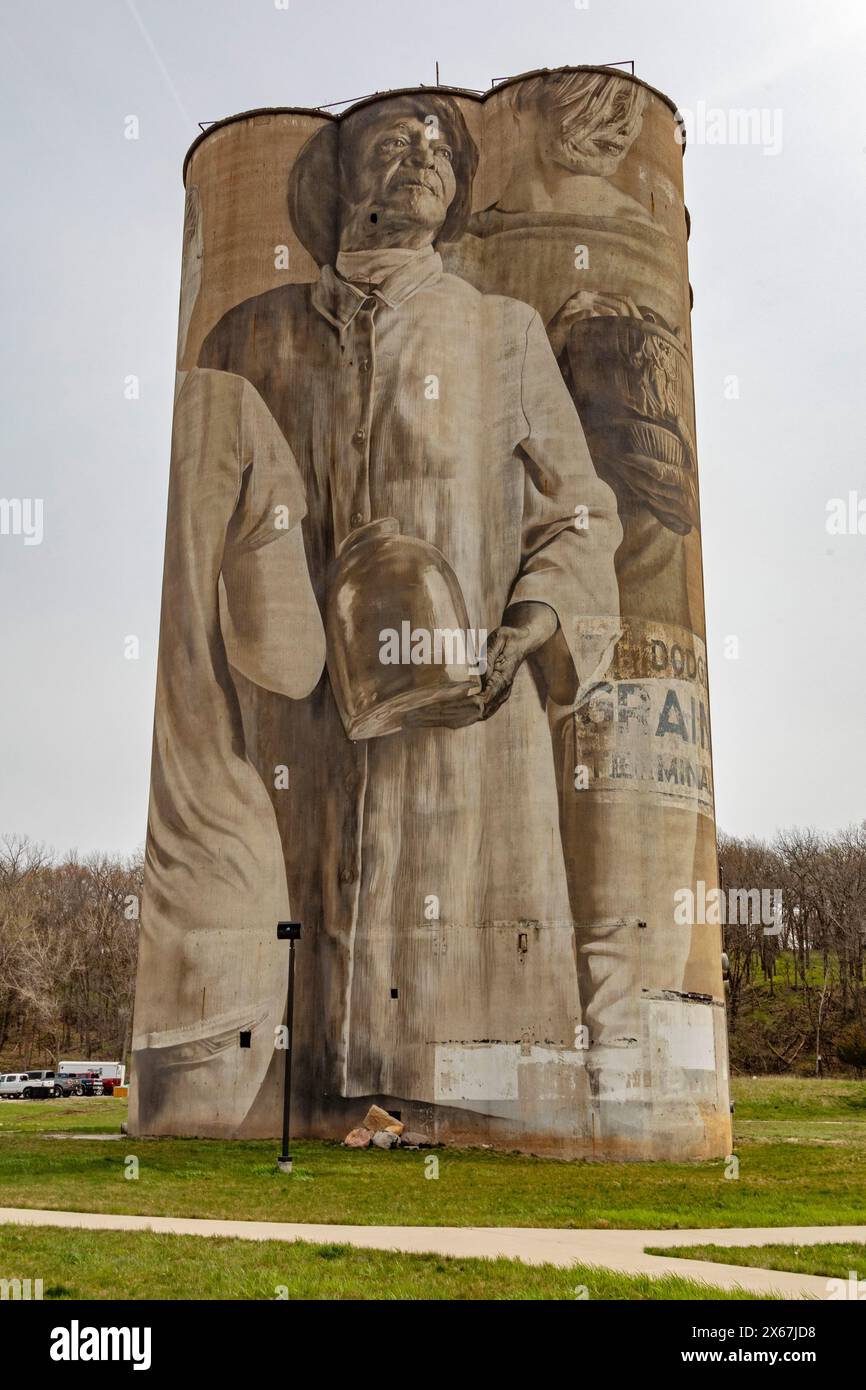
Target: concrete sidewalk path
x: 621, y: 1251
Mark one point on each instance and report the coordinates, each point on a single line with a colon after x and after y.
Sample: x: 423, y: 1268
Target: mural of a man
x: 427, y: 866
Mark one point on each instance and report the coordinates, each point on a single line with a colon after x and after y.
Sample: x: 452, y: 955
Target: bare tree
x: 68, y: 950
x: 814, y: 954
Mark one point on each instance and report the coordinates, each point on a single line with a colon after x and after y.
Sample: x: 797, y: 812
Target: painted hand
x: 529, y: 626
x: 588, y: 304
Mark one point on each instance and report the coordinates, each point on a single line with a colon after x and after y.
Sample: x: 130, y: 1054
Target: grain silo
x: 432, y: 670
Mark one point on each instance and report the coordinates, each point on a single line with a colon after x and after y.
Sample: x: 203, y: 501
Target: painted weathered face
x: 403, y: 176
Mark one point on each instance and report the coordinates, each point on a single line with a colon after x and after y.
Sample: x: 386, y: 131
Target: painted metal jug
x: 397, y: 630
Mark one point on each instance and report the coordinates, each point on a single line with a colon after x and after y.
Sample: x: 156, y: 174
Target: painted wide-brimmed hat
x: 323, y: 177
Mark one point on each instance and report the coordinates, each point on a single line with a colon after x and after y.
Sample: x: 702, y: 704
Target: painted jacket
x: 421, y: 863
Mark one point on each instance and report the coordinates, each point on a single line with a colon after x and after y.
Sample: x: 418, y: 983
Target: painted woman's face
x: 590, y: 140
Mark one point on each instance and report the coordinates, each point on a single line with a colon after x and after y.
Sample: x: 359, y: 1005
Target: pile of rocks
x: 382, y: 1131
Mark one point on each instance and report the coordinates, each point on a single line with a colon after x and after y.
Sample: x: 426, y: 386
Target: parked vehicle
x: 89, y: 1078
x: 96, y: 1085
x: 66, y: 1085
x: 12, y: 1084
x: 40, y: 1085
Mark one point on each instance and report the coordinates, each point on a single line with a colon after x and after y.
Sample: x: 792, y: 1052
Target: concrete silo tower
x: 433, y: 672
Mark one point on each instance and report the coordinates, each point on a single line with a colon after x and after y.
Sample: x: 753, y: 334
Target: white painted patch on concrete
x: 683, y: 1031
x: 489, y: 1072
x: 478, y: 1071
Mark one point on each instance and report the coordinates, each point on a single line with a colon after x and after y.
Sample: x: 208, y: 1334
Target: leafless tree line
x: 814, y: 956
x: 796, y: 996
x: 68, y: 947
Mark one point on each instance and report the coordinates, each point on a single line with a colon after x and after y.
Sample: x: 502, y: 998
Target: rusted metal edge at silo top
x: 466, y: 93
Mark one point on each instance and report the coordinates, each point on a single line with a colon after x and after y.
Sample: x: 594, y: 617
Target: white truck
x: 12, y: 1085
x: 28, y: 1085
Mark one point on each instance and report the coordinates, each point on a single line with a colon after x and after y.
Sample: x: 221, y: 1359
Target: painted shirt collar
x: 339, y: 301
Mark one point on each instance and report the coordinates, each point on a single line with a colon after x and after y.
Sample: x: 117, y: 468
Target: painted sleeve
x: 271, y: 622
x: 570, y: 529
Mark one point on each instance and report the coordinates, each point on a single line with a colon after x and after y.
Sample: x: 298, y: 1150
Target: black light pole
x: 291, y: 932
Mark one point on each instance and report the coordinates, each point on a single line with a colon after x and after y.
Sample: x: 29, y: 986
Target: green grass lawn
x: 794, y: 1110
x: 801, y: 1148
x: 118, y: 1264
x: 791, y: 1173
x: 99, y: 1115
x: 836, y: 1261
x: 802, y: 1098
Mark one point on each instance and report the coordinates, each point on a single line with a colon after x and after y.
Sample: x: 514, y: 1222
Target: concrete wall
x: 489, y: 890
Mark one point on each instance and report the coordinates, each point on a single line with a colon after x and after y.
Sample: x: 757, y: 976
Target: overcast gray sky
x: 91, y: 260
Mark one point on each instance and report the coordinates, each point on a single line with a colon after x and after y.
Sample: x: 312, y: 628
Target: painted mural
x: 432, y: 673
